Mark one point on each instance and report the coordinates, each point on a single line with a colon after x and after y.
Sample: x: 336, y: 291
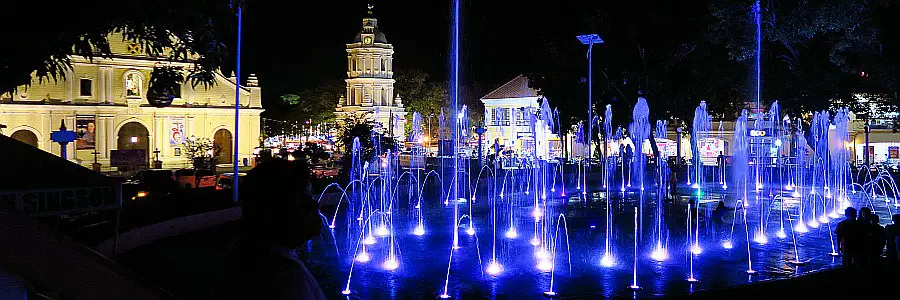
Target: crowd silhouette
x: 862, y: 241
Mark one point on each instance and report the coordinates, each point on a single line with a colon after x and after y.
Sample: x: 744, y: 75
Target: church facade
x: 104, y: 100
x: 370, y: 81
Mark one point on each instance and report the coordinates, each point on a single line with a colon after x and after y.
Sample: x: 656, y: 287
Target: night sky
x: 292, y: 45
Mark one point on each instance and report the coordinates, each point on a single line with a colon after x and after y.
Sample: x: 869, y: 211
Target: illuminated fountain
x: 660, y: 253
x: 381, y: 214
x: 701, y: 128
x: 394, y: 224
x: 609, y: 171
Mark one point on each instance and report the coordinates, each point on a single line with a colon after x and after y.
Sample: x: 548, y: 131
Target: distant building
x: 370, y: 83
x: 104, y: 100
x: 884, y: 142
x: 508, y: 114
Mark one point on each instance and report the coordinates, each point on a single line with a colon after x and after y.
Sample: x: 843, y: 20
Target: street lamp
x: 428, y: 147
x: 867, y: 129
x: 590, y: 40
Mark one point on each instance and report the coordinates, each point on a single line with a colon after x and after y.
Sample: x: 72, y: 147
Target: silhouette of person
x: 718, y: 217
x: 850, y: 240
x: 876, y: 242
x: 865, y: 213
x: 673, y: 178
x: 629, y: 153
x: 278, y: 217
x: 718, y: 214
x: 892, y: 234
x: 720, y: 160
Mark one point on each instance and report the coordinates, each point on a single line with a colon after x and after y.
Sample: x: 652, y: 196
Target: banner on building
x: 712, y: 147
x: 85, y: 129
x: 176, y: 132
x: 128, y: 158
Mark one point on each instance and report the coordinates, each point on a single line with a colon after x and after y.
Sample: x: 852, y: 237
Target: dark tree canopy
x: 654, y: 50
x: 167, y: 28
x: 370, y: 140
x: 420, y: 93
x: 814, y: 53
x: 676, y: 54
x: 308, y: 106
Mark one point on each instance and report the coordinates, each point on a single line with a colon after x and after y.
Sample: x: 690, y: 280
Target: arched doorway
x: 25, y: 136
x: 134, y: 136
x: 223, y: 142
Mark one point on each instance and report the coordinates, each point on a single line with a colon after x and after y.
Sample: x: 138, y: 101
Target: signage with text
x: 128, y: 158
x: 757, y: 133
x: 52, y: 202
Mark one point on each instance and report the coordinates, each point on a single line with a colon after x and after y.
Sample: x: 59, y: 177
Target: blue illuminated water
x: 423, y: 265
x: 528, y: 226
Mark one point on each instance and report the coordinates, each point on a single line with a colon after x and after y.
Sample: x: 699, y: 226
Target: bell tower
x: 370, y: 80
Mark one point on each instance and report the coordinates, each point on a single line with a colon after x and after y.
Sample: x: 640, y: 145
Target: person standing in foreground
x: 850, y: 241
x: 892, y: 233
x: 279, y: 216
x: 876, y: 242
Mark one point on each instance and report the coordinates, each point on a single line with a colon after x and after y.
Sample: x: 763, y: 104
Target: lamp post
x: 590, y: 40
x: 866, y: 151
x: 678, y: 131
x: 428, y: 145
x: 480, y: 131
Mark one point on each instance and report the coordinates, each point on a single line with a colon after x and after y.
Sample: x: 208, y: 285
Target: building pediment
x: 119, y: 46
x: 516, y: 88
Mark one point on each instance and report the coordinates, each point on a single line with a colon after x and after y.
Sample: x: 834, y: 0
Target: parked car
x: 226, y: 180
x: 190, y: 178
x: 149, y: 183
x: 324, y: 171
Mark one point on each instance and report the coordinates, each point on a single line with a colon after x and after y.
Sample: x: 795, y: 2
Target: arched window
x: 223, y: 144
x: 26, y: 137
x: 134, y: 136
x: 134, y: 84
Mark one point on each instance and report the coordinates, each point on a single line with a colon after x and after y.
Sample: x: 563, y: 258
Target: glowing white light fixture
x: 391, y: 264
x: 607, y: 261
x: 363, y: 257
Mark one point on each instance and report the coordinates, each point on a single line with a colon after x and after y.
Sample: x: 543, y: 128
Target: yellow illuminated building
x: 105, y: 101
x: 370, y: 80
x: 508, y: 114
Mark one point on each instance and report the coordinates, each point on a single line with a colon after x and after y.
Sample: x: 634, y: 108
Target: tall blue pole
x: 757, y: 14
x: 590, y: 104
x: 237, y: 102
x: 454, y: 94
